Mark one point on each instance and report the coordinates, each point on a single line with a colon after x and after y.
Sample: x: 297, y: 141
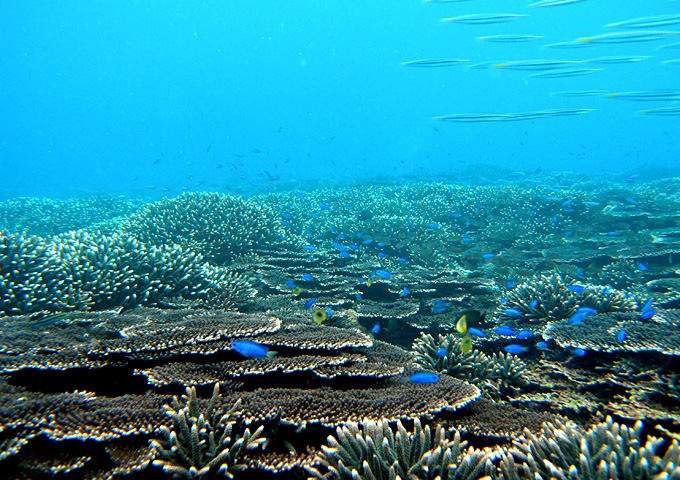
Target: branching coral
x: 607, y: 450
x: 206, y: 443
x: 374, y: 451
x: 219, y: 227
x: 542, y: 298
x: 493, y: 374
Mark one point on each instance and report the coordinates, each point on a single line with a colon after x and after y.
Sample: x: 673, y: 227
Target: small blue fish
x: 579, y: 352
x: 358, y: 296
x: 642, y: 266
x: 252, y: 350
x: 504, y: 330
x: 383, y: 273
x: 648, y: 314
x: 382, y: 254
x: 338, y: 246
x: 542, y: 345
x: 324, y: 206
x: 587, y: 311
x: 344, y: 253
x: 287, y: 215
x: 441, y: 352
x: 424, y: 377
x: 341, y: 236
x: 513, y: 312
x: 488, y: 255
x: 314, y: 215
x: 515, y: 349
x: 310, y: 302
x: 367, y: 241
x: 524, y: 334
x: 309, y: 247
x: 646, y: 306
x: 533, y: 304
x: 290, y: 284
x: 433, y: 225
x: 380, y: 244
x: 577, y: 318
x: 404, y: 292
x: 477, y: 332
x: 308, y: 277
x: 284, y: 223
x: 509, y: 284
x: 577, y: 288
x: 376, y: 328
x: 621, y: 336
x: 355, y: 247
x: 402, y: 259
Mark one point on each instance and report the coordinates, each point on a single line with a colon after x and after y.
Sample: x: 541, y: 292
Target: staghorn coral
x: 221, y: 228
x: 32, y: 278
x: 607, y: 450
x: 375, y: 451
x: 554, y: 300
x: 495, y: 375
x: 203, y: 444
x: 47, y: 216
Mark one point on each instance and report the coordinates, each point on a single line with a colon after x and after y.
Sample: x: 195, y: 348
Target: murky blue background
x: 151, y: 98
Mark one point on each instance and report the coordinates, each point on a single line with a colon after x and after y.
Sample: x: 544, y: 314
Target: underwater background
x: 338, y: 240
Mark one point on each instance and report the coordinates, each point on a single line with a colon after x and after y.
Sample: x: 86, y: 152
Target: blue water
x: 151, y: 98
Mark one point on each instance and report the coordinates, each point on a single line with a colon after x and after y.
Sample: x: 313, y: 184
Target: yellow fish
x: 466, y: 345
x: 461, y: 325
x: 319, y: 316
x: 297, y: 291
x: 369, y: 282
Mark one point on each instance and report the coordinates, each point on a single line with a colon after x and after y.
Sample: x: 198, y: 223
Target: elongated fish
x: 553, y: 3
x: 510, y: 117
x: 666, y: 111
x: 510, y: 38
x: 626, y: 37
x: 535, y: 64
x: 648, y: 22
x: 566, y: 72
x: 646, y: 95
x: 433, y: 62
x: 483, y: 18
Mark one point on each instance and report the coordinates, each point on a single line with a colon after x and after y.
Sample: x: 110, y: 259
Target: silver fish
x: 483, y: 18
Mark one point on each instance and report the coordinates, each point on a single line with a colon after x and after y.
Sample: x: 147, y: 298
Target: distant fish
x: 256, y: 150
x: 48, y: 320
x: 383, y: 273
x: 579, y: 93
x: 482, y: 18
x: 207, y: 150
x: 522, y: 334
x: 665, y: 111
x: 513, y: 312
x: 319, y: 316
x: 424, y: 377
x: 310, y: 302
x: 488, y: 255
x: 646, y: 306
x: 587, y: 311
x: 621, y: 336
x: 252, y: 350
x: 324, y: 206
x: 510, y: 38
x: 376, y: 328
x: 308, y: 277
x: 616, y: 59
x: 535, y: 65
x: 660, y: 95
x: 577, y: 318
x: 541, y: 345
x: 477, y: 332
x: 404, y: 292
x: 515, y: 349
x: 625, y: 37
x: 647, y: 22
x: 461, y: 325
x: 566, y: 72
x: 433, y: 62
x: 504, y: 330
x: 533, y: 304
x: 553, y: 3
x: 441, y: 352
x: 648, y: 314
x: 466, y: 345
x: 579, y: 352
x: 577, y: 288
x: 309, y: 247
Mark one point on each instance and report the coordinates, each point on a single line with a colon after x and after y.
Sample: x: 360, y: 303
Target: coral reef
x: 374, y: 450
x: 495, y: 375
x: 203, y: 444
x: 219, y: 227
